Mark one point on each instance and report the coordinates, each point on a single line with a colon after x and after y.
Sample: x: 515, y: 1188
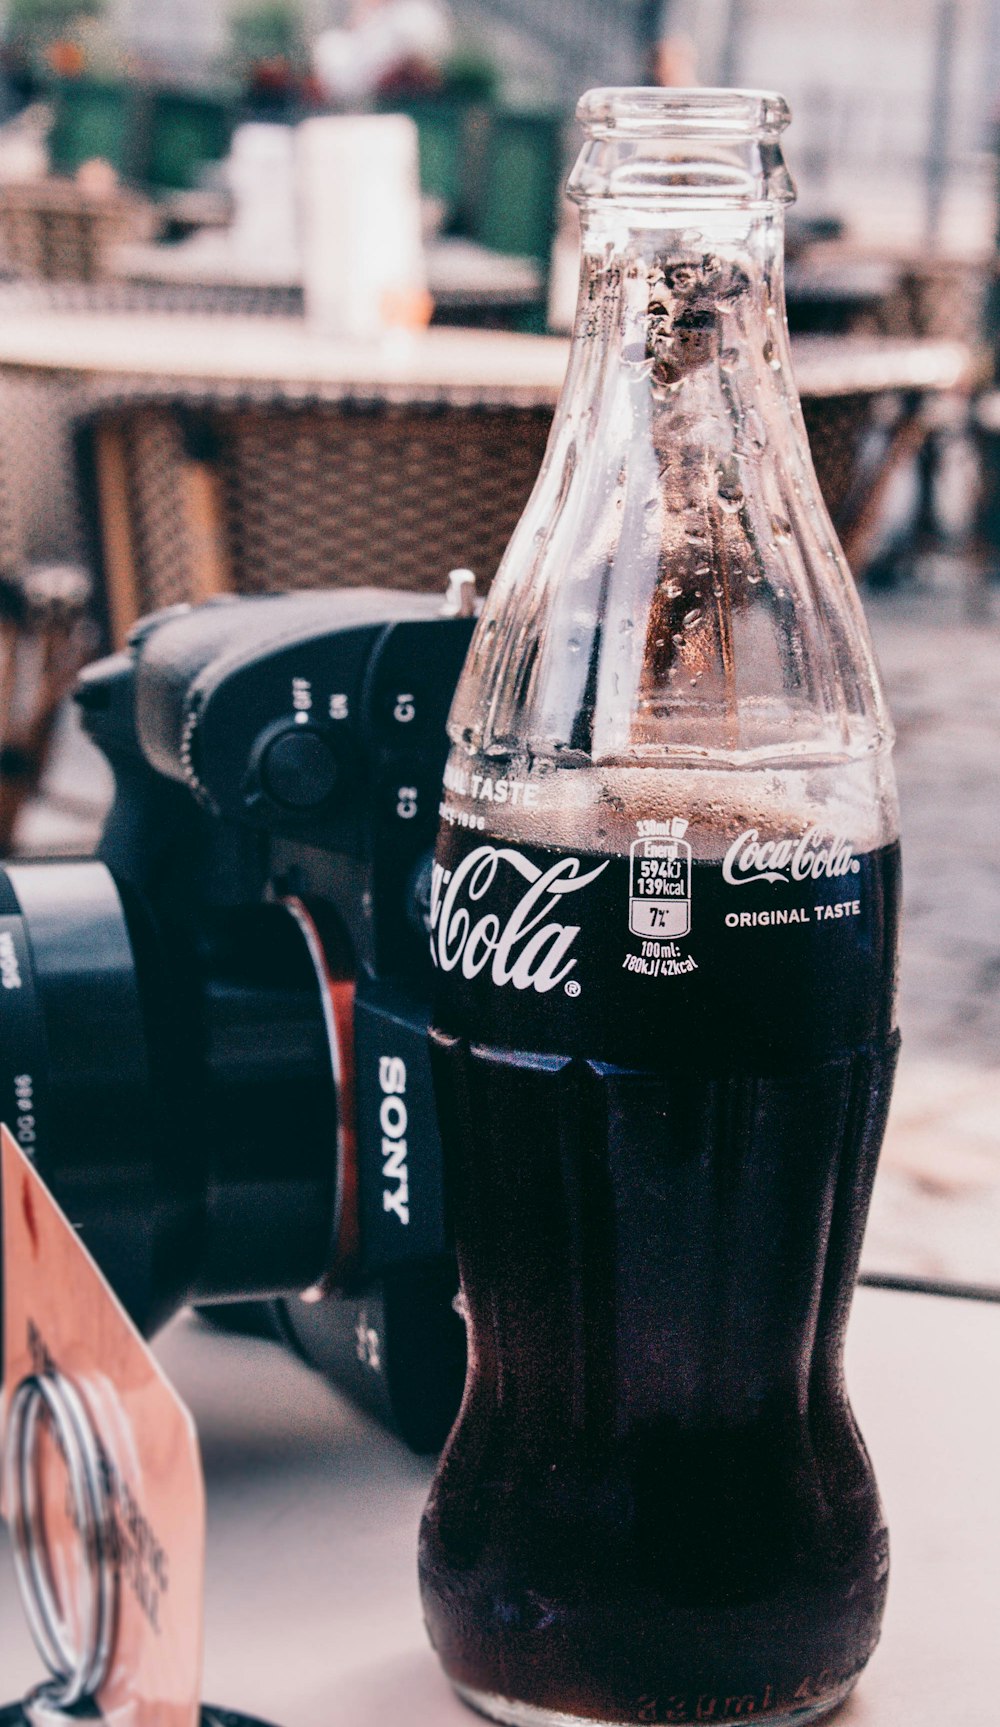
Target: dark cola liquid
x: 655, y: 1506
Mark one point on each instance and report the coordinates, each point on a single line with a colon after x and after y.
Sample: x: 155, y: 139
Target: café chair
x: 56, y: 229
x: 46, y: 635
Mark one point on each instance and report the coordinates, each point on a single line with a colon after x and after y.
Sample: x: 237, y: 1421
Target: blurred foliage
x: 64, y: 38
x: 46, y: 20
x: 268, y: 30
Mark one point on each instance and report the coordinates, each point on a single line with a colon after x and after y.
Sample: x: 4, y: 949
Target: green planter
x: 152, y: 135
x: 184, y: 129
x: 440, y: 123
x: 92, y: 118
x: 520, y: 170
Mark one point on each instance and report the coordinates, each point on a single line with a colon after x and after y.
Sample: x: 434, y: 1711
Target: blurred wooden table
x: 313, y: 1616
x: 229, y: 452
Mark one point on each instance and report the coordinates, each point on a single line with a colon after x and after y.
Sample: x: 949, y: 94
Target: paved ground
x: 937, y: 1205
x: 942, y: 672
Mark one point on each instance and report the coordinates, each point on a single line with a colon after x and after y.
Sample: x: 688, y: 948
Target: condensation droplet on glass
x: 574, y: 644
x: 771, y: 356
x: 718, y: 590
x: 781, y: 527
x: 625, y: 626
x: 678, y: 641
x: 755, y: 428
x: 694, y: 680
x: 694, y: 616
x: 671, y: 590
x: 728, y: 486
x: 753, y: 577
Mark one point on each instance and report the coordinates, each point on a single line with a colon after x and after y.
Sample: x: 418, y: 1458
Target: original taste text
x: 796, y: 914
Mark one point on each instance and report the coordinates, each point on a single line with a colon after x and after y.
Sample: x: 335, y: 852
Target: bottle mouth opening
x: 703, y: 114
x: 660, y: 149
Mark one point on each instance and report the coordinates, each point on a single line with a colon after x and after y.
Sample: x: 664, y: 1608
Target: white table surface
x: 234, y: 349
x: 237, y: 348
x: 313, y: 1618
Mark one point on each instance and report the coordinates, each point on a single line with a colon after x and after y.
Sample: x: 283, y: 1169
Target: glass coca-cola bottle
x: 664, y: 919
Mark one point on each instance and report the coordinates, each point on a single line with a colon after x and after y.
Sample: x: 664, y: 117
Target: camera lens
x: 178, y: 1094
x: 75, y: 1069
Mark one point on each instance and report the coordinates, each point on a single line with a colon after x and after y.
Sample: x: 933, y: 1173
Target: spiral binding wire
x: 77, y: 1673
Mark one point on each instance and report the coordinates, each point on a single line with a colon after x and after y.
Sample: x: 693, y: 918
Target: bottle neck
x: 674, y: 591
x: 684, y: 313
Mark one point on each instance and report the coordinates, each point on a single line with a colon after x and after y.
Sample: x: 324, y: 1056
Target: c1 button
x: 400, y: 711
x: 298, y: 769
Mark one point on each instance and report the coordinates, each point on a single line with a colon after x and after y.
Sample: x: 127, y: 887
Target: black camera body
x: 221, y: 1062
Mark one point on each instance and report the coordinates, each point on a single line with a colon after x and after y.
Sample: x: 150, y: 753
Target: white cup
x: 262, y: 179
x: 362, y: 246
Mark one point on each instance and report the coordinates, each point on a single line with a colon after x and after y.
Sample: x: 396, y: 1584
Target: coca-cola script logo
x: 526, y: 950
x: 810, y: 858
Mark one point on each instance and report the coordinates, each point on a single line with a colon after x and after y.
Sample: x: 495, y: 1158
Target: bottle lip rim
x: 652, y: 111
